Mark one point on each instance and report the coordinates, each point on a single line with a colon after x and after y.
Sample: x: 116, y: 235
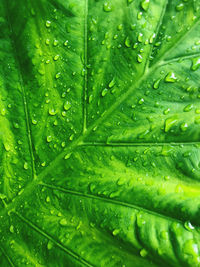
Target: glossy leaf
x: 100, y: 133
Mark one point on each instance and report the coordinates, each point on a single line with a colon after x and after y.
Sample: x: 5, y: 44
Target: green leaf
x: 100, y: 133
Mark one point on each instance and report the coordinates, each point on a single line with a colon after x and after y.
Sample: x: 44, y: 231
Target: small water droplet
x: 34, y: 121
x: 166, y: 111
x: 140, y: 37
x: 49, y: 138
x: 184, y: 126
x: 116, y: 232
x: 47, y: 42
x: 156, y: 84
x: 111, y: 83
x: 139, y: 15
x: 49, y: 245
x: 143, y: 252
x: 65, y: 43
x: 141, y: 101
x: 12, y: 229
x: 48, y: 199
x: 55, y: 42
x: 67, y: 105
x: 127, y: 42
x: 139, y: 58
x: 48, y: 23
x: 188, y: 108
x: 180, y: 7
x: 63, y: 222
x: 104, y: 92
x: 52, y: 112
x: 26, y: 165
x: 56, y: 57
x: 67, y: 156
x: 188, y: 226
x: 58, y: 75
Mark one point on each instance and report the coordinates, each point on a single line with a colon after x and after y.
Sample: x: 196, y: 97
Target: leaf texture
x: 99, y: 133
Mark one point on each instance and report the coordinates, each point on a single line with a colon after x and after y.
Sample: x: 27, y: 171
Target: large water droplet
x: 107, y: 7
x: 145, y: 5
x: 171, y: 78
x: 169, y: 123
x: 195, y: 64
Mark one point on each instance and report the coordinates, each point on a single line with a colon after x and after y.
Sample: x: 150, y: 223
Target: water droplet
x: 143, y: 252
x: 47, y: 42
x: 127, y: 42
x: 188, y: 108
x: 26, y: 165
x: 169, y: 123
x: 156, y: 84
x: 104, y: 92
x: 48, y: 23
x: 184, y: 127
x: 166, y: 111
x: 180, y: 7
x: 112, y: 83
x: 34, y: 121
x: 63, y: 144
x: 119, y: 27
x: 58, y: 75
x: 65, y: 43
x: 107, y: 7
x: 139, y: 58
x: 140, y: 37
x: 48, y: 199
x: 43, y: 164
x: 49, y: 245
x: 188, y: 226
x: 56, y: 57
x: 116, y: 232
x: 141, y: 101
x: 55, y: 42
x: 195, y: 64
x: 145, y: 5
x: 52, y: 112
x: 67, y: 156
x: 170, y: 78
x: 71, y: 137
x: 139, y: 15
x: 3, y: 112
x: 12, y: 229
x: 63, y: 222
x: 49, y: 138
x: 67, y: 105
